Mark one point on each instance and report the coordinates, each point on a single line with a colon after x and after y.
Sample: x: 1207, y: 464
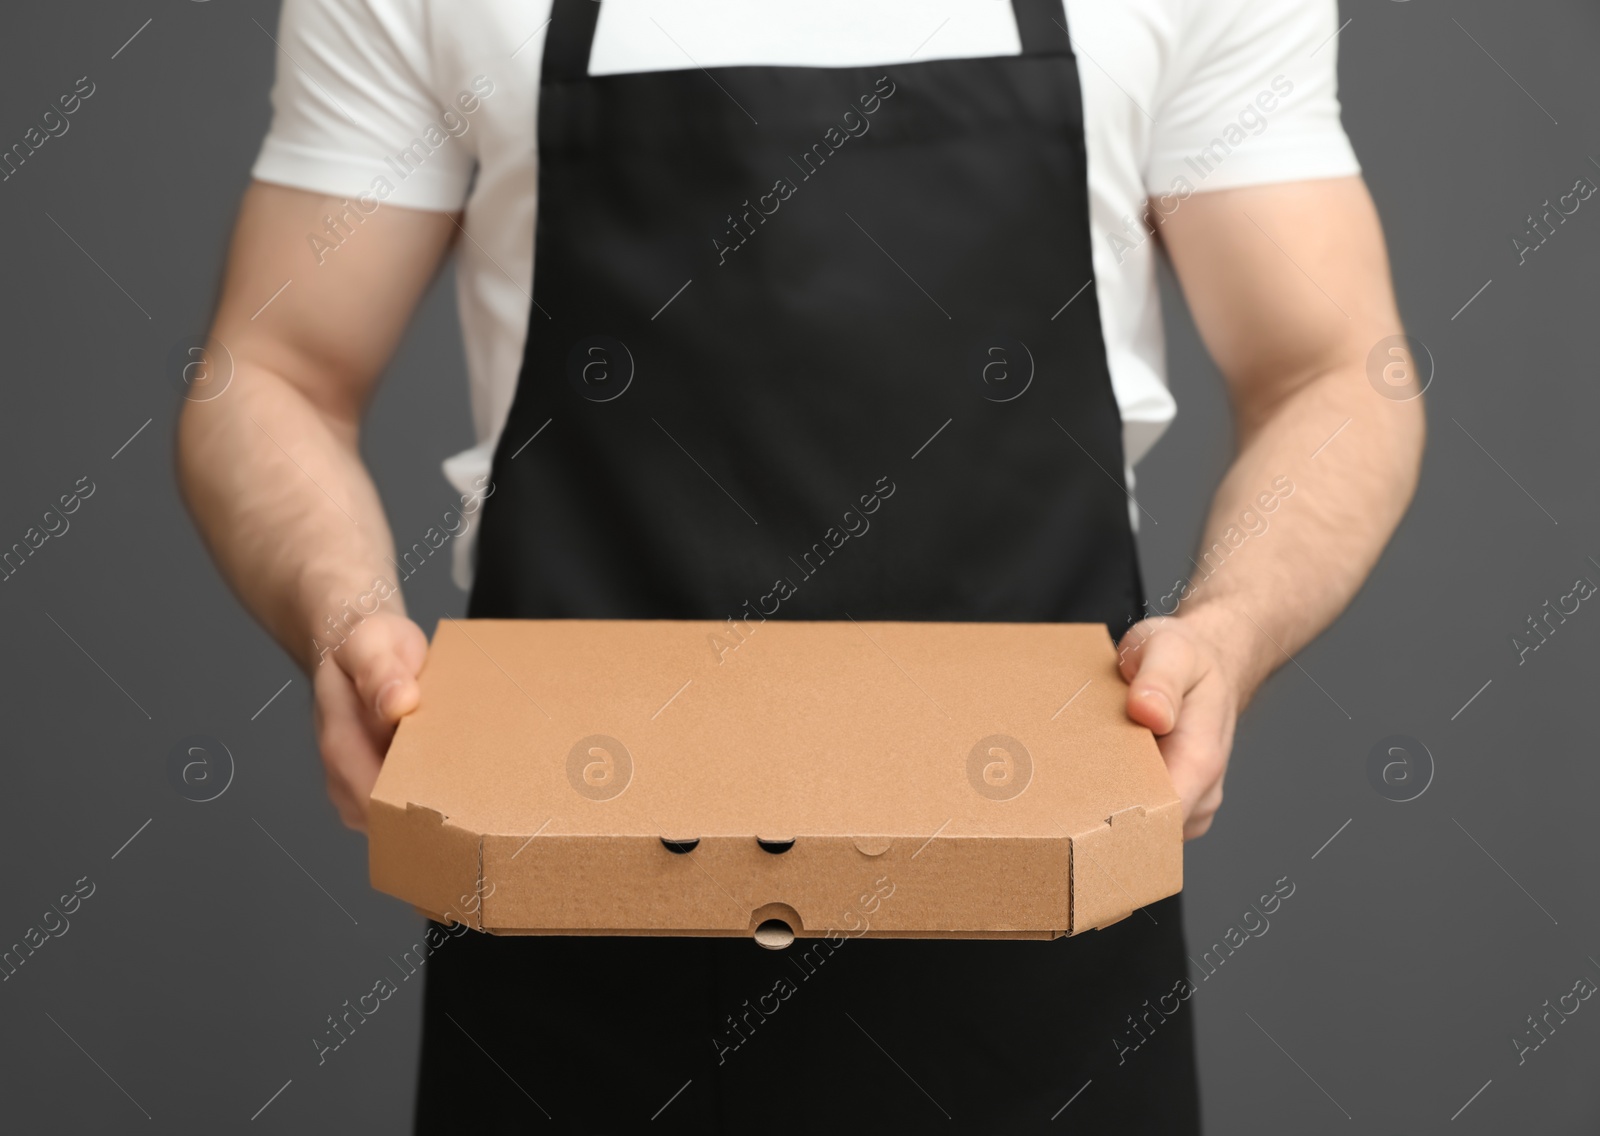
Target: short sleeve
x: 353, y: 103
x: 1252, y: 97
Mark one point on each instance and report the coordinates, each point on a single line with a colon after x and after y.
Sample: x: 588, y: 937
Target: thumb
x: 1160, y: 667
x: 382, y: 657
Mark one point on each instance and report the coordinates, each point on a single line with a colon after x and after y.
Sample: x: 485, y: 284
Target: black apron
x: 812, y: 342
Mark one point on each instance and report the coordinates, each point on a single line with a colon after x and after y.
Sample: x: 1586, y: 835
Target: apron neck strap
x: 1042, y: 27
x: 570, y: 40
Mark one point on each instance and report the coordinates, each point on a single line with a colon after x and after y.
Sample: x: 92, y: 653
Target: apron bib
x: 758, y: 295
x: 809, y: 343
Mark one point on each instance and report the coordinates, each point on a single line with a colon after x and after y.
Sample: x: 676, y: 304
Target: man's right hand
x: 362, y: 689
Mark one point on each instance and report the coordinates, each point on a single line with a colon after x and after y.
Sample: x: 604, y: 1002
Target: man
x: 787, y: 254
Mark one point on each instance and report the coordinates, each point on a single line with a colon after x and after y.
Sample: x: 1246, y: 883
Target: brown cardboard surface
x: 889, y: 779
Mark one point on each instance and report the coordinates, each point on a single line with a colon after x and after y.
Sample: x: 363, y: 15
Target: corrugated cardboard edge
x: 1147, y: 848
x: 438, y: 866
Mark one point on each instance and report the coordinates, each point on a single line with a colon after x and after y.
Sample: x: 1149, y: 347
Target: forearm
x: 270, y: 464
x: 279, y: 492
x: 1299, y: 521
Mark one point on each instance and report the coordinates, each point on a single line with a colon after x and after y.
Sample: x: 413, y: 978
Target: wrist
x: 1237, y: 644
x: 330, y: 607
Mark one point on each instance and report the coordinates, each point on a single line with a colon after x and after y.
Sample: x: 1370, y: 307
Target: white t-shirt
x: 432, y: 105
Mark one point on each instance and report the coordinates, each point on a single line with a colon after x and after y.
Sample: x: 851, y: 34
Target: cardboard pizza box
x: 774, y: 779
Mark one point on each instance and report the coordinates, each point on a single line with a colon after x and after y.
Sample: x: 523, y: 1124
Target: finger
x: 1160, y: 672
x: 1197, y: 827
x: 1191, y: 763
x: 382, y: 657
x: 1196, y: 752
x: 351, y: 753
x: 1199, y: 822
x: 350, y: 814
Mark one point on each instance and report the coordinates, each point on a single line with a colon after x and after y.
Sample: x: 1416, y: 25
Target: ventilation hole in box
x: 680, y: 847
x: 774, y: 935
x: 776, y: 847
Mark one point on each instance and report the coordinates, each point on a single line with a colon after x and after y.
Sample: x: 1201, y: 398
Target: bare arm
x: 1289, y: 286
x: 270, y: 466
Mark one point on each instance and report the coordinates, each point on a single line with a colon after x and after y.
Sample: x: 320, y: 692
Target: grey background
x: 217, y: 941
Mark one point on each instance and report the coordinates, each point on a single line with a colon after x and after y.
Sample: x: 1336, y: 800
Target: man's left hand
x: 1179, y: 689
